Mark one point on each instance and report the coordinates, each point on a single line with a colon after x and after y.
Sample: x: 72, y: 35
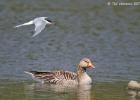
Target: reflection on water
x: 23, y: 90
x: 82, y: 92
x: 134, y: 94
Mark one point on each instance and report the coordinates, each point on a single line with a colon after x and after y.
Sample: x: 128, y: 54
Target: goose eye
x: 86, y: 61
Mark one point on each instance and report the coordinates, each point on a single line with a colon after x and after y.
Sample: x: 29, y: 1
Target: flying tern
x: 40, y: 23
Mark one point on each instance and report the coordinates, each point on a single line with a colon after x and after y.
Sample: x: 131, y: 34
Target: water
x: 108, y: 35
x: 33, y: 91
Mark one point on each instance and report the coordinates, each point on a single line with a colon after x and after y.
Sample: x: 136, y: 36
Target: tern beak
x: 53, y: 23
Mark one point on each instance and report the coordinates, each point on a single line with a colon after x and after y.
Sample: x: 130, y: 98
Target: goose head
x: 85, y: 63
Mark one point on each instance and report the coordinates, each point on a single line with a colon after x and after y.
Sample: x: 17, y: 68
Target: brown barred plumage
x: 54, y: 76
x: 63, y: 77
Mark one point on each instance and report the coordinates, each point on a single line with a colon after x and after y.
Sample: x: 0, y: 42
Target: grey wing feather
x: 39, y: 26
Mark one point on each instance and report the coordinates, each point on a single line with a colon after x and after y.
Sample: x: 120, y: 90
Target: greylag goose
x: 134, y: 85
x: 134, y: 89
x: 65, y: 77
x: 40, y: 23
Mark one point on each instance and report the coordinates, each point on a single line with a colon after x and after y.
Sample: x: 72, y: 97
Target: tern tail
x: 28, y: 23
x: 35, y: 34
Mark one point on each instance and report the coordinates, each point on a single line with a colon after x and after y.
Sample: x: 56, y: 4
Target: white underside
x: 85, y: 79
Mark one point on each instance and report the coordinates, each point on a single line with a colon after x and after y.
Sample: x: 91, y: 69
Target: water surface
x: 25, y: 90
x: 108, y: 35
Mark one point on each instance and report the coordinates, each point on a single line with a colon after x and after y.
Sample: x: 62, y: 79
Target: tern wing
x: 28, y: 23
x: 39, y: 26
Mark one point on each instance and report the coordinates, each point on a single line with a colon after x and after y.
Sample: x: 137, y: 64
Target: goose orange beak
x: 90, y: 65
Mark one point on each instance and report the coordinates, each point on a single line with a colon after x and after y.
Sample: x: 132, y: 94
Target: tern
x: 40, y: 23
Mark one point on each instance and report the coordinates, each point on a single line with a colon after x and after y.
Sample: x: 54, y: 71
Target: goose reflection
x: 78, y: 92
x: 134, y: 94
x: 134, y: 90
